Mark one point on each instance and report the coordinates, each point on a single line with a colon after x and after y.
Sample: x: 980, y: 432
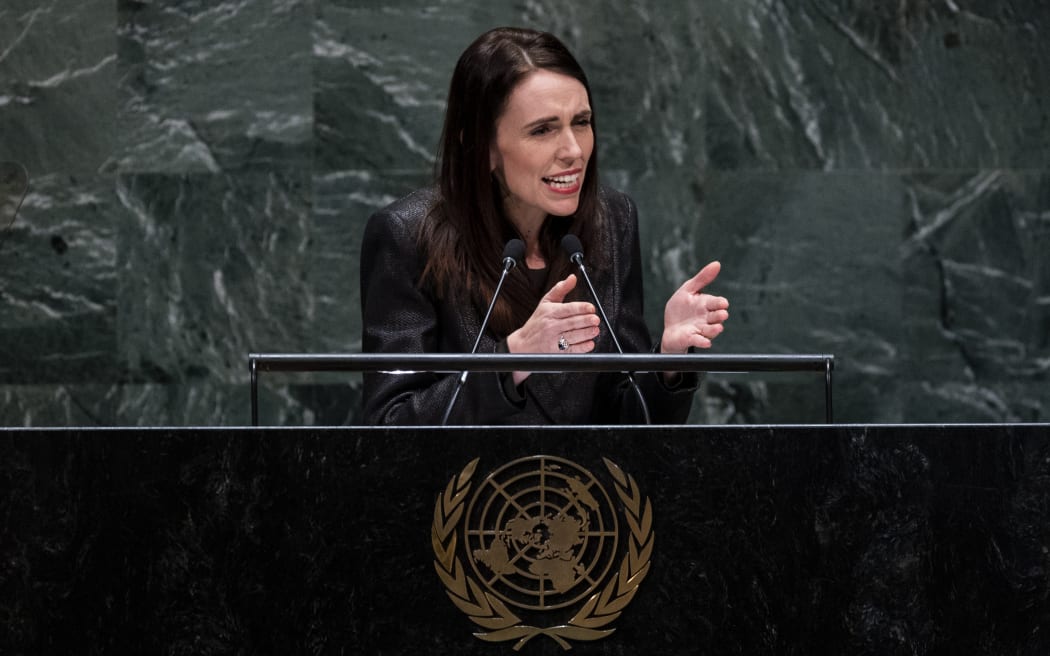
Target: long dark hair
x: 464, y: 232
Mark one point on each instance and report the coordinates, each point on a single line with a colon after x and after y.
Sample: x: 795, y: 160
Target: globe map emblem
x: 541, y: 533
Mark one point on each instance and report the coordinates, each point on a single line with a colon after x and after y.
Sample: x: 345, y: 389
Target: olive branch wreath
x: 489, y: 612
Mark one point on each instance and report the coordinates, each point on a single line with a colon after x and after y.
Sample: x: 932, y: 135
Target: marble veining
x: 871, y: 176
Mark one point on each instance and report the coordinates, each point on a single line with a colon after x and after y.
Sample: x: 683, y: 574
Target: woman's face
x: 543, y: 142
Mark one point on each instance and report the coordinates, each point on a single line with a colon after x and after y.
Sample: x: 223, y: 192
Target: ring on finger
x: 562, y: 344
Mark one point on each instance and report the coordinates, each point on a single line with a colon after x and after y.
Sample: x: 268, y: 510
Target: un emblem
x: 541, y: 539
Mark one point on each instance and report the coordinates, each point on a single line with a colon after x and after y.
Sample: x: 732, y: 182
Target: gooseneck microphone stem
x: 572, y: 245
x: 577, y: 259
x: 512, y: 252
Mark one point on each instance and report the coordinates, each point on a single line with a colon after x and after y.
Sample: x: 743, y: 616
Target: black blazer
x: 400, y: 317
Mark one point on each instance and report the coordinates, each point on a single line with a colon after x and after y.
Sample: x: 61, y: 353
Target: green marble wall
x: 874, y: 177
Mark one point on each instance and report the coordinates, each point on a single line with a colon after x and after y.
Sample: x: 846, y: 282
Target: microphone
x: 570, y: 243
x: 513, y: 251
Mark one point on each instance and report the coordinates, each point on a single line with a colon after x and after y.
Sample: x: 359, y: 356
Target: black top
x: 400, y: 316
x: 537, y: 279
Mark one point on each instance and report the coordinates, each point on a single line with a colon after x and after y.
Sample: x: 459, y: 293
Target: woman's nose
x: 569, y: 148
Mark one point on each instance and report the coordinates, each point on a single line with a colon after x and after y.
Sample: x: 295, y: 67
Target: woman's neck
x: 529, y: 229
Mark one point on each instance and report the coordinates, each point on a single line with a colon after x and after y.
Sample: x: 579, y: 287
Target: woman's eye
x: 541, y: 130
x: 583, y: 122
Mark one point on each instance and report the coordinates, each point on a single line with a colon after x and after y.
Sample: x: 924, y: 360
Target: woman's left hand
x: 691, y: 317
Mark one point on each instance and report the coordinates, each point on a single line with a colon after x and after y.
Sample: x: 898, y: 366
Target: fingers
x: 585, y: 346
x: 560, y: 290
x: 703, y: 278
x: 579, y: 341
x: 717, y: 317
x: 557, y: 295
x: 584, y: 335
x: 569, y: 310
x: 680, y: 338
x: 554, y: 320
x: 705, y: 335
x: 579, y: 334
x: 579, y: 321
x: 679, y: 342
x: 715, y: 303
x: 711, y: 331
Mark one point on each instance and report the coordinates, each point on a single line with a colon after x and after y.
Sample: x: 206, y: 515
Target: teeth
x: 563, y: 180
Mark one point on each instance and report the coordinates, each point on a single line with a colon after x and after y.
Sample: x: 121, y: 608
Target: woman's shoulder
x: 392, y: 232
x: 615, y: 203
x: 620, y: 212
x: 401, y: 219
x: 409, y: 210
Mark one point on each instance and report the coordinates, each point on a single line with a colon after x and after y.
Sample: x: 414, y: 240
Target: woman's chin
x: 564, y: 207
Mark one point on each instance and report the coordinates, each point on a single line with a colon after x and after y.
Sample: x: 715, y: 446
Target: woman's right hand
x: 554, y: 319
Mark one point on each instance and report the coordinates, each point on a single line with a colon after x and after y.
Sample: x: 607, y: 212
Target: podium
x: 729, y: 540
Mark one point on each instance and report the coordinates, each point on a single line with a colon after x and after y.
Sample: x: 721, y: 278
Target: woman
x: 519, y: 159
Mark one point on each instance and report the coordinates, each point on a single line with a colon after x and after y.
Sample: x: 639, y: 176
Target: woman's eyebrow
x: 554, y: 119
x: 541, y: 121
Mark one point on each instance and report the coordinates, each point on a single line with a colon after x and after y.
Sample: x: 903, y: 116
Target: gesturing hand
x: 556, y: 326
x: 692, y: 318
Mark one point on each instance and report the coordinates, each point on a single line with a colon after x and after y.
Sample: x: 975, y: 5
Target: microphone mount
x: 570, y: 243
x: 513, y: 251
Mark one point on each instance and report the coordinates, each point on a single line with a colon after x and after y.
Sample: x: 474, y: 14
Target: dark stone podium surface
x: 849, y: 539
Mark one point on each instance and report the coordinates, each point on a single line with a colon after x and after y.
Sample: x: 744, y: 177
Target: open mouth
x: 569, y: 182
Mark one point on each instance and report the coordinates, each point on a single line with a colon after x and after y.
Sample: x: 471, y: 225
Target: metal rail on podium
x: 547, y: 363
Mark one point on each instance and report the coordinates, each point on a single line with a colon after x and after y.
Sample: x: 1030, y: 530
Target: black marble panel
x: 58, y: 297
x: 745, y: 130
x: 342, y: 203
x: 214, y: 86
x: 208, y: 262
x: 380, y: 88
x: 57, y: 93
x: 977, y: 298
x: 810, y: 265
x: 64, y: 404
x: 787, y: 540
x: 854, y: 84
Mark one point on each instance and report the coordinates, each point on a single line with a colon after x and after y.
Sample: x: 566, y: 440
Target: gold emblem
x: 540, y: 537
